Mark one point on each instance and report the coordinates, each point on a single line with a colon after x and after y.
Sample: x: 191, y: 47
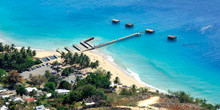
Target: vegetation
x: 67, y: 71
x: 13, y: 59
x: 49, y: 86
x: 20, y: 90
x: 94, y: 88
x: 65, y: 85
x: 82, y: 60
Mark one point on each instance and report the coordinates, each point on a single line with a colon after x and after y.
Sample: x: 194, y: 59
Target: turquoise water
x: 192, y: 63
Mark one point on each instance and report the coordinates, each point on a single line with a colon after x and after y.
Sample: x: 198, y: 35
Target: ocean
x: 191, y: 63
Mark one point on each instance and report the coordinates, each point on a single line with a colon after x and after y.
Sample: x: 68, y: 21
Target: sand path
x: 148, y: 102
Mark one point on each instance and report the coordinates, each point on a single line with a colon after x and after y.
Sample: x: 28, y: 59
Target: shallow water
x: 192, y: 63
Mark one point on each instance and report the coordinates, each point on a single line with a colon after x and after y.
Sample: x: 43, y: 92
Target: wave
x: 203, y: 29
x: 127, y: 71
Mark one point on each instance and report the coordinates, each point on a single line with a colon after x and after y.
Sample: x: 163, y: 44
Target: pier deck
x: 116, y: 40
x: 77, y: 47
x: 68, y: 49
x: 60, y: 51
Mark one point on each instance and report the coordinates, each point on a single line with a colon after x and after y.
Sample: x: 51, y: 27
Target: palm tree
x: 34, y: 53
x: 12, y: 46
x: 62, y: 55
x: 117, y: 80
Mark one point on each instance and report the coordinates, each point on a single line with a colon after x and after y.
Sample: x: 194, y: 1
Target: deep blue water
x: 192, y: 63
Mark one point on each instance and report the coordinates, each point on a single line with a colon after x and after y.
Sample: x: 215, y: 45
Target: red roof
x: 29, y: 99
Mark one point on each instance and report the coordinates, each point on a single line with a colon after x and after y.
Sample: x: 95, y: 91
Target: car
x: 43, y: 64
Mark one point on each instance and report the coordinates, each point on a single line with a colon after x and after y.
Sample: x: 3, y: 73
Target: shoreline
x: 125, y: 75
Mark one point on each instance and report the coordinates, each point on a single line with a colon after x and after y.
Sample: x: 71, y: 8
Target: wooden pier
x: 83, y: 44
x: 68, y: 49
x: 77, y: 47
x: 86, y: 44
x: 116, y: 40
x: 60, y: 51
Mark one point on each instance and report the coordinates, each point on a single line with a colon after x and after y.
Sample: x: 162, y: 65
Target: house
x: 5, y: 96
x: 30, y: 89
x: 2, y: 89
x: 41, y: 107
x: 62, y: 91
x: 3, y: 108
x: 29, y: 99
x: 90, y: 104
x: 48, y: 95
x: 17, y: 99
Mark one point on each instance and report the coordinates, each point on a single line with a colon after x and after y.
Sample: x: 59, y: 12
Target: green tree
x: 49, y: 86
x: 65, y: 85
x: 33, y: 93
x: 1, y: 47
x: 117, y: 80
x: 55, y: 63
x: 34, y: 53
x: 134, y: 88
x: 20, y: 90
x: 47, y: 74
x: 109, y: 75
x: 72, y: 96
x: 67, y: 71
x: 2, y: 74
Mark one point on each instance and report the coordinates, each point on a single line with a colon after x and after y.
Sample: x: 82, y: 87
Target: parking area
x: 37, y: 71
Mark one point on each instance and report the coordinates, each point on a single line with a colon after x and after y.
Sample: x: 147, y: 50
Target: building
x: 41, y: 107
x: 17, y: 99
x: 30, y: 99
x: 62, y: 91
x: 5, y: 96
x: 48, y: 95
x: 2, y: 89
x: 30, y: 89
x: 3, y: 108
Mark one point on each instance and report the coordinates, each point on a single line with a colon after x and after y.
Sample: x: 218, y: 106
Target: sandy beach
x: 104, y: 64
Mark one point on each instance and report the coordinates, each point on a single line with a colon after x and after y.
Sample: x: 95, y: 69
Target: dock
x: 115, y: 21
x: 60, y: 51
x: 86, y: 44
x: 149, y: 31
x: 83, y: 44
x: 89, y: 44
x: 77, y: 47
x: 89, y: 39
x: 68, y: 49
x: 129, y: 25
x: 171, y: 37
x: 116, y: 40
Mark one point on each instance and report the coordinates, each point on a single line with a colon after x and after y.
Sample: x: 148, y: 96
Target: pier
x: 77, y: 47
x: 86, y: 44
x: 60, y: 51
x: 116, y: 40
x: 83, y: 44
x: 115, y: 21
x: 149, y: 31
x: 171, y: 37
x: 129, y: 25
x: 68, y: 49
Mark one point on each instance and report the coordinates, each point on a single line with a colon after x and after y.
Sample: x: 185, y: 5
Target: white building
x: 49, y: 95
x: 62, y: 91
x: 5, y: 96
x: 30, y: 89
x: 3, y: 108
x: 17, y: 99
x: 41, y: 107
